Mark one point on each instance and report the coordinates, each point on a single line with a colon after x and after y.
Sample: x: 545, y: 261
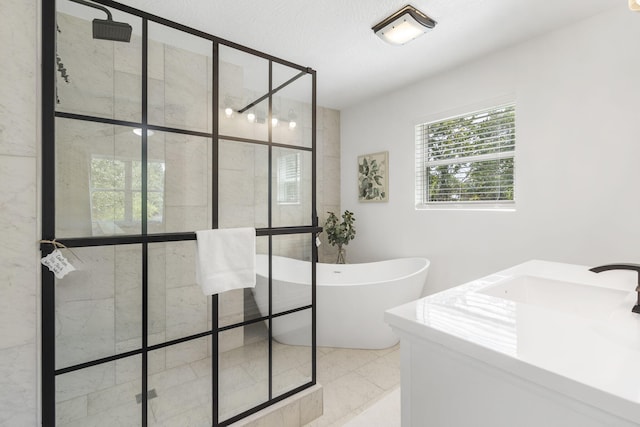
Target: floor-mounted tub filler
x: 538, y: 344
x: 351, y: 299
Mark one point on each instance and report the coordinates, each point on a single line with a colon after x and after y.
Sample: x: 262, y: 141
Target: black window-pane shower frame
x: 49, y: 115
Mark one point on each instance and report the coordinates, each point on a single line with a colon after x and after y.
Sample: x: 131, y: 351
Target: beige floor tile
x: 382, y: 372
x: 340, y: 362
x: 346, y: 395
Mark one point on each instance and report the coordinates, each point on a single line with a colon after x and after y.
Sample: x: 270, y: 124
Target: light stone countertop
x: 566, y: 328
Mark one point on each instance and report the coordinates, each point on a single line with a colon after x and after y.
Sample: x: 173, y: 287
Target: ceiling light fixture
x: 138, y: 131
x: 634, y: 5
x: 403, y: 26
x: 292, y: 120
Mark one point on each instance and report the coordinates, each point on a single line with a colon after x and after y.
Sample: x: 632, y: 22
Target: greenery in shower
x: 339, y: 233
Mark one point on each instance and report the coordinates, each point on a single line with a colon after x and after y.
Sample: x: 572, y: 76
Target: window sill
x: 478, y: 207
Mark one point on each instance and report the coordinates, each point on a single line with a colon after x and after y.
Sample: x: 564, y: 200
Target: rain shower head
x: 108, y: 29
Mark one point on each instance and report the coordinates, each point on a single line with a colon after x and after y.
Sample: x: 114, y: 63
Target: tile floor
x: 353, y: 381
x: 357, y: 385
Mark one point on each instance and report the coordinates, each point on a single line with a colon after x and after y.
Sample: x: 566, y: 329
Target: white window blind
x: 289, y: 179
x: 466, y: 159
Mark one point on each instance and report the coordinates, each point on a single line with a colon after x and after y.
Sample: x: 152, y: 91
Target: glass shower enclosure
x: 146, y: 141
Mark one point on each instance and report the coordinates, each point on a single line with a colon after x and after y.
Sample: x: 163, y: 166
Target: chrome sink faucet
x: 634, y: 267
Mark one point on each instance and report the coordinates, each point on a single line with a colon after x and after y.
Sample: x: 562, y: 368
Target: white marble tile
x: 243, y: 399
x: 128, y: 293
x: 233, y: 338
x: 157, y: 359
x: 185, y: 353
x: 18, y: 380
x: 85, y: 381
x: 186, y: 311
x: 89, y: 64
x: 157, y: 292
x: 199, y: 416
x: 18, y: 96
x: 254, y: 353
x: 178, y: 399
x: 180, y: 264
x: 290, y: 379
x: 185, y: 77
x: 128, y: 415
x: 202, y: 367
x: 113, y: 397
x: 130, y: 368
x: 231, y: 75
x: 19, y: 251
x: 77, y: 143
x: 84, y: 331
x: 231, y: 303
x: 127, y: 57
x: 191, y: 218
x: 187, y: 180
x: 155, y: 100
x: 236, y: 188
x: 173, y: 377
x: 127, y: 90
x: 234, y: 378
x: 287, y: 356
x: 85, y: 308
x: 155, y: 55
x: 239, y: 156
x: 18, y: 92
x: 71, y: 410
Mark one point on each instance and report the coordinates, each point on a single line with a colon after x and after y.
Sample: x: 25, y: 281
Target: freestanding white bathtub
x: 351, y: 299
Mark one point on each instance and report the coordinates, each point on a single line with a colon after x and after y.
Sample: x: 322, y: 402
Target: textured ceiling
x: 334, y: 37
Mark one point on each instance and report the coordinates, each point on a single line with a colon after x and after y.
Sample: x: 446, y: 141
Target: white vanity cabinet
x: 538, y: 345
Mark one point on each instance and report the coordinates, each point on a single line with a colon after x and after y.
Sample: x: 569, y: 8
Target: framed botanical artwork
x: 373, y: 177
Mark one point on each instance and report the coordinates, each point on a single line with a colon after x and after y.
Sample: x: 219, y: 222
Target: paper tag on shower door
x: 58, y: 264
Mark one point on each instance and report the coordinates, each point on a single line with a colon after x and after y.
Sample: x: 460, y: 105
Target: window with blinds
x: 289, y: 179
x: 467, y: 159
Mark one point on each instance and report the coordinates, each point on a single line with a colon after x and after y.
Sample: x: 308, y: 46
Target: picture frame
x: 373, y: 177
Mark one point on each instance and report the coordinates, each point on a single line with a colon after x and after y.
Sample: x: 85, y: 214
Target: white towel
x: 226, y: 259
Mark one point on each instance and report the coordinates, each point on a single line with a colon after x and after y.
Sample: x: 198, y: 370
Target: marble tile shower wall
x: 180, y: 94
x: 98, y: 310
x: 113, y: 296
x: 18, y: 220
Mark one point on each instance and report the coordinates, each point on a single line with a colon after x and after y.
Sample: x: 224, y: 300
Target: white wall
x: 577, y: 94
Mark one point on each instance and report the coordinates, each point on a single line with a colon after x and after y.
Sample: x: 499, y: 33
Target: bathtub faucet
x: 634, y: 267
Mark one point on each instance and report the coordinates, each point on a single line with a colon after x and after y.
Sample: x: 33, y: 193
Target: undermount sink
x: 571, y: 298
x: 537, y: 344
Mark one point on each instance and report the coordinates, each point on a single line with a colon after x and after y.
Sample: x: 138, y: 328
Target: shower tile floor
x: 353, y: 381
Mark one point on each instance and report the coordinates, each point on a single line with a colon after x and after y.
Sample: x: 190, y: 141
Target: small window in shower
x: 116, y: 194
x: 289, y: 179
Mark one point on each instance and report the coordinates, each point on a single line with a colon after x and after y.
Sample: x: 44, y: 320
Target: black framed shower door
x: 143, y: 144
